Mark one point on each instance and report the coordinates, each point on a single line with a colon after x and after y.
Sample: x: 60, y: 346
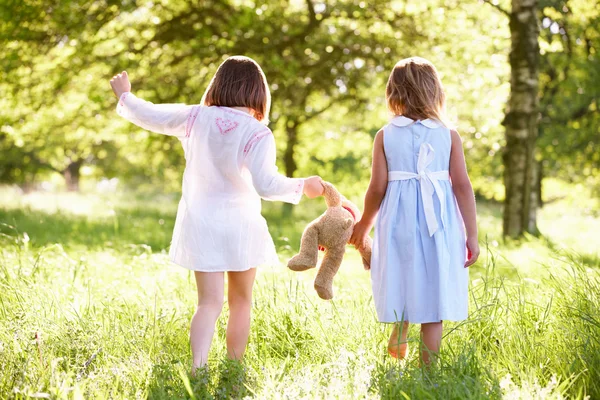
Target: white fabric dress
x: 230, y: 165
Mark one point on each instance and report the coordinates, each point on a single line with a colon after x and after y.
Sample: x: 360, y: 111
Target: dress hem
x: 426, y: 321
x: 263, y: 264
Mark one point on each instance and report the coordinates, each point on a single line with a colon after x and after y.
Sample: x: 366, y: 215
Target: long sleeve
x: 168, y: 119
x: 269, y: 184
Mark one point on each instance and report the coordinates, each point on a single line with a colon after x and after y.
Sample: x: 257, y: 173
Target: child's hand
x: 472, y: 251
x: 120, y: 84
x: 313, y: 187
x: 359, y: 236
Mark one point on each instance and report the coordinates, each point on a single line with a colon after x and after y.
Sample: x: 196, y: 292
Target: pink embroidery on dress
x: 226, y: 125
x: 122, y: 99
x: 298, y: 191
x: 255, y: 138
x: 299, y: 187
x: 191, y: 119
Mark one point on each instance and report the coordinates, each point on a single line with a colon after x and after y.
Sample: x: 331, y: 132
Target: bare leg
x: 240, y: 303
x: 210, y: 302
x: 397, y: 345
x: 431, y: 334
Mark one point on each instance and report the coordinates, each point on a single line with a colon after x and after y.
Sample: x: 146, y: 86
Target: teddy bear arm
x: 332, y: 197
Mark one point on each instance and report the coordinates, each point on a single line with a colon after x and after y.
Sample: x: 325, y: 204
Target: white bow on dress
x: 430, y: 185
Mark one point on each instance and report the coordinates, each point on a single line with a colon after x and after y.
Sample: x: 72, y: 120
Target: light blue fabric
x: 417, y: 277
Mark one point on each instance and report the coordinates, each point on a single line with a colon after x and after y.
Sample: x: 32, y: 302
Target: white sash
x: 430, y: 185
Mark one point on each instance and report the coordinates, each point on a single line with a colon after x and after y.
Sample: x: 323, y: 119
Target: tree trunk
x: 539, y: 187
x: 292, y: 141
x: 521, y: 122
x: 288, y: 158
x: 71, y: 175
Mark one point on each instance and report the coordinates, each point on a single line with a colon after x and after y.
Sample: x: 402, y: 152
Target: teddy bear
x: 331, y: 231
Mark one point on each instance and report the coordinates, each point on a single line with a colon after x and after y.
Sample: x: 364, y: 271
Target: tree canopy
x: 326, y: 63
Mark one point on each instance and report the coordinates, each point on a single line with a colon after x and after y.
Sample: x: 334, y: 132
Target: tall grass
x: 84, y: 315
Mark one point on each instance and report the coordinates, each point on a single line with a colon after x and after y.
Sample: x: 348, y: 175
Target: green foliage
x: 569, y: 90
x: 50, y: 108
x: 327, y: 64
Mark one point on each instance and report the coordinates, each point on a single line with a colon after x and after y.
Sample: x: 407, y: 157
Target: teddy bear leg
x: 309, y: 251
x: 329, y: 267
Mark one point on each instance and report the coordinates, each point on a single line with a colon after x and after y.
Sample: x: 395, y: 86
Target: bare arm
x: 461, y: 185
x: 375, y: 193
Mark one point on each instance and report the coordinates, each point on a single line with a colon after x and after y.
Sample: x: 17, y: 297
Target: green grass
x: 90, y: 307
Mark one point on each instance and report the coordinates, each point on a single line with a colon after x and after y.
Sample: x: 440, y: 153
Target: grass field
x: 90, y: 307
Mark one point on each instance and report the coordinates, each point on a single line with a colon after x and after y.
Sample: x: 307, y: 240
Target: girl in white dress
x: 230, y: 165
x: 418, y: 267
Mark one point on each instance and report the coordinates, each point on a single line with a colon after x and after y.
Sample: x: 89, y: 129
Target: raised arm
x: 168, y: 119
x: 271, y: 185
x: 463, y: 191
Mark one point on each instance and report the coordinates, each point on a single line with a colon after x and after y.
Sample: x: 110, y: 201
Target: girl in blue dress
x: 421, y: 190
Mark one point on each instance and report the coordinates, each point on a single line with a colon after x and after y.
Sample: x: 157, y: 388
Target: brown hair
x: 415, y: 90
x: 240, y: 82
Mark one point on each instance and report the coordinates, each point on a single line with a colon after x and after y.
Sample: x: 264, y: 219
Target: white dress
x: 230, y: 165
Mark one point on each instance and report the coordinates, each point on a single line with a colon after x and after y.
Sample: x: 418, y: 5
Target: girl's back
x: 403, y: 139
x: 230, y: 165
x: 221, y: 146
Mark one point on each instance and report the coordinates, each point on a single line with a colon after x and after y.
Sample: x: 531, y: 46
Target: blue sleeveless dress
x: 419, y: 249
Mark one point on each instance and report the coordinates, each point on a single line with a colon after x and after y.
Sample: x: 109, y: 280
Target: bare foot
x: 398, y: 351
x: 398, y: 346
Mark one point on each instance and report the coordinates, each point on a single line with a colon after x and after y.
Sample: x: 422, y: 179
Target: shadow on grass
x: 229, y: 381
x: 166, y: 383
x: 591, y: 260
x: 125, y: 227
x: 462, y: 378
x: 233, y: 381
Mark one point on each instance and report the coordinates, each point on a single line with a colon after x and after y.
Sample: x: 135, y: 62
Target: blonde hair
x: 415, y: 90
x: 240, y: 82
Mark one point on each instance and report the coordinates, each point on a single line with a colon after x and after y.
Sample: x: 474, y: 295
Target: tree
x: 50, y: 114
x: 326, y: 62
x: 521, y: 120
